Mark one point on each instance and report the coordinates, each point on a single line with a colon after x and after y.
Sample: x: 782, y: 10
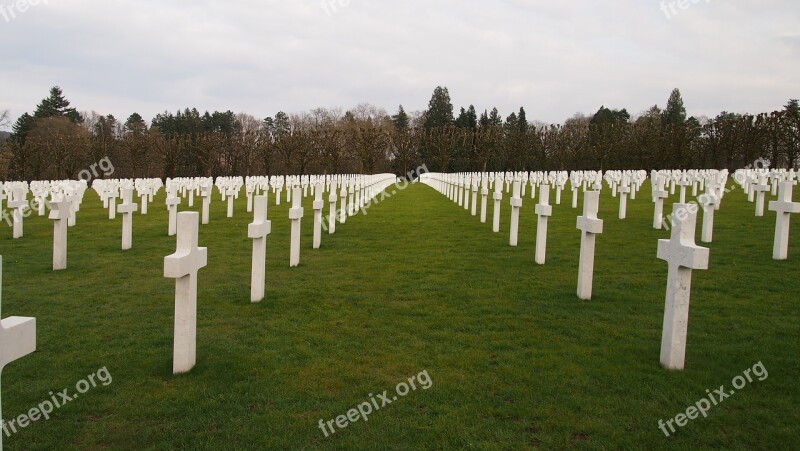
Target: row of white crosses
x: 111, y: 190
x: 680, y: 252
x: 46, y: 190
x: 625, y: 183
x: 458, y: 187
x: 66, y: 201
x: 229, y: 188
x: 17, y: 201
x: 66, y: 197
x: 749, y: 178
x: 783, y: 207
x: 189, y: 258
x: 146, y: 190
x: 756, y: 183
x: 712, y: 180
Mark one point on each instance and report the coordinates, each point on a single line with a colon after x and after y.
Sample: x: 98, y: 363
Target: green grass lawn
x: 417, y: 284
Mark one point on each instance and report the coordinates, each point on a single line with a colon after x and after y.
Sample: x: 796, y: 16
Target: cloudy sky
x: 555, y: 58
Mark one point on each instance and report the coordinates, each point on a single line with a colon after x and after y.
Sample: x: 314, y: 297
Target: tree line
x: 57, y: 141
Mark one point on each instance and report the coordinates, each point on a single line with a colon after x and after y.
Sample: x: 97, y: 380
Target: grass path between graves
x: 417, y: 284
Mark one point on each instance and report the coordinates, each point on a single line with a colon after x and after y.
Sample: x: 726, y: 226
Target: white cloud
x: 554, y: 58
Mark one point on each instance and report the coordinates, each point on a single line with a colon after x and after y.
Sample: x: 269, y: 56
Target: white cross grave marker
x: 127, y: 208
x: 183, y: 266
x: 318, y: 204
x: 708, y: 201
x: 258, y: 231
x: 332, y: 213
x: 296, y: 215
x: 112, y: 203
x: 230, y: 197
x: 474, y: 211
x: 543, y: 210
x: 682, y: 255
x: 590, y: 227
x: 498, y: 196
x: 75, y: 201
x: 659, y: 194
x: 516, y: 203
x: 205, y: 193
x: 59, y: 212
x: 172, y: 206
x: 623, y: 200
x: 143, y: 200
x: 761, y: 190
x: 484, y: 196
x: 343, y: 204
x: 784, y: 207
x: 19, y: 204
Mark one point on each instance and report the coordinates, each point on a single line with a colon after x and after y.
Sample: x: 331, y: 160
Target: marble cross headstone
x: 343, y: 204
x: 332, y: 213
x: 498, y: 196
x: 17, y: 337
x: 623, y: 200
x: 659, y: 194
x: 544, y: 211
x: 683, y: 183
x: 75, y: 201
x: 589, y: 226
x: 59, y: 212
x: 474, y: 211
x: 183, y: 266
x: 516, y: 204
x: 127, y: 208
x: 575, y: 196
x: 465, y: 193
x: 318, y: 204
x: 683, y: 256
x: 760, y: 190
x: 19, y: 204
x: 484, y: 197
x: 143, y: 200
x: 784, y: 207
x: 708, y: 201
x: 205, y: 193
x: 258, y: 231
x: 112, y: 203
x: 230, y: 197
x: 295, y: 215
x: 249, y: 192
x: 172, y: 206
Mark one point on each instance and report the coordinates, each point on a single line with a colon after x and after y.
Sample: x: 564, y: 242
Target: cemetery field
x: 416, y: 286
